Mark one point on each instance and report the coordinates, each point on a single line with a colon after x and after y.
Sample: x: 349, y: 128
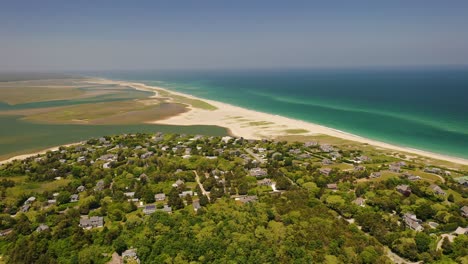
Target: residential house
x: 258, y: 172
x: 326, y: 162
x: 178, y: 183
x: 433, y: 170
x: 99, y: 185
x: 332, y: 186
x: 149, y: 209
x: 359, y: 201
x: 80, y: 188
x: 326, y: 148
x: 363, y: 159
x: 146, y: 155
x: 92, y: 222
x: 461, y: 231
x: 74, y: 198
x: 166, y: 209
x: 264, y: 182
x: 375, y: 175
x: 462, y: 181
x: 129, y: 194
x: 42, y: 227
x: 404, y: 189
x: 160, y: 197
x: 25, y: 208
x: 185, y: 193
x: 30, y: 200
x: 464, y: 211
x: 247, y: 199
x: 437, y: 190
x: 411, y: 177
x: 130, y: 254
x: 325, y: 171
x: 196, y: 205
x: 412, y: 222
x: 311, y: 144
x: 394, y: 168
x: 359, y: 168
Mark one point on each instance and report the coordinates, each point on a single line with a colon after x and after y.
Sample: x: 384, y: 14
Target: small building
x: 309, y: 144
x: 80, y: 188
x: 42, y: 227
x: 247, y: 199
x: 325, y: 171
x: 6, y: 232
x: 166, y: 209
x: 464, y: 211
x: 196, y: 205
x: 178, y: 183
x: 461, y: 231
x: 30, y: 200
x: 99, y: 185
x: 326, y: 148
x: 25, y: 208
x: 412, y: 222
x: 74, y: 198
x: 359, y: 201
x: 92, y: 222
x: 160, y: 197
x: 264, y: 182
x: 332, y: 186
x: 81, y: 159
x: 375, y: 175
x: 130, y: 254
x: 51, y: 202
x: 404, y: 189
x: 437, y: 190
x: 433, y: 170
x: 129, y: 194
x: 149, y: 209
x: 433, y: 225
x: 146, y: 155
x: 326, y: 162
x: 394, y: 168
x: 258, y: 172
x: 185, y: 193
x: 359, y: 168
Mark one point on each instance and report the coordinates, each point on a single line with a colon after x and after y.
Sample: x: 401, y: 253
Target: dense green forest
x: 194, y: 199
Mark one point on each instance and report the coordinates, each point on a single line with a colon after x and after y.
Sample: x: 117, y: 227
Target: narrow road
x: 450, y: 238
x: 197, y: 178
x: 254, y: 155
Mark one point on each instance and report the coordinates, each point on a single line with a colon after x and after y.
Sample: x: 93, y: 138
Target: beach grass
x: 260, y: 123
x: 195, y: 103
x: 296, y: 131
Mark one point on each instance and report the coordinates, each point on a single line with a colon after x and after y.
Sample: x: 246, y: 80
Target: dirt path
x: 197, y: 178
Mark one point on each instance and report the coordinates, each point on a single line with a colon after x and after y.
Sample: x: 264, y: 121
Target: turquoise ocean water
x: 420, y: 108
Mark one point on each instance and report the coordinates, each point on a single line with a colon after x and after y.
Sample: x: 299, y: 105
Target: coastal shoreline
x: 246, y: 123
x: 251, y: 124
x: 40, y: 152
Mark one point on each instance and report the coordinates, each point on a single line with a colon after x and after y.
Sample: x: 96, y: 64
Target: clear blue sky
x: 104, y: 35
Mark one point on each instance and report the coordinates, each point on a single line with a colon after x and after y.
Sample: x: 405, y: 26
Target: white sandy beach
x: 256, y: 125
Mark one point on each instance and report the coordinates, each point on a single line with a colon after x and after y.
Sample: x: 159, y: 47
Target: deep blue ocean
x: 420, y: 108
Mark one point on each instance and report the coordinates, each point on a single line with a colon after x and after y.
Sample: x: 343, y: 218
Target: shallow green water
x: 420, y: 108
x: 18, y: 137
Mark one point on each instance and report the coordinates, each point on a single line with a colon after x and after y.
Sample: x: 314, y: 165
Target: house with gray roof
x: 412, y: 222
x: 92, y: 222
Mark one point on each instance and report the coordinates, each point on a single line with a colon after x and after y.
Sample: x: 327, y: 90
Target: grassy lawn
x: 23, y: 187
x: 427, y: 176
